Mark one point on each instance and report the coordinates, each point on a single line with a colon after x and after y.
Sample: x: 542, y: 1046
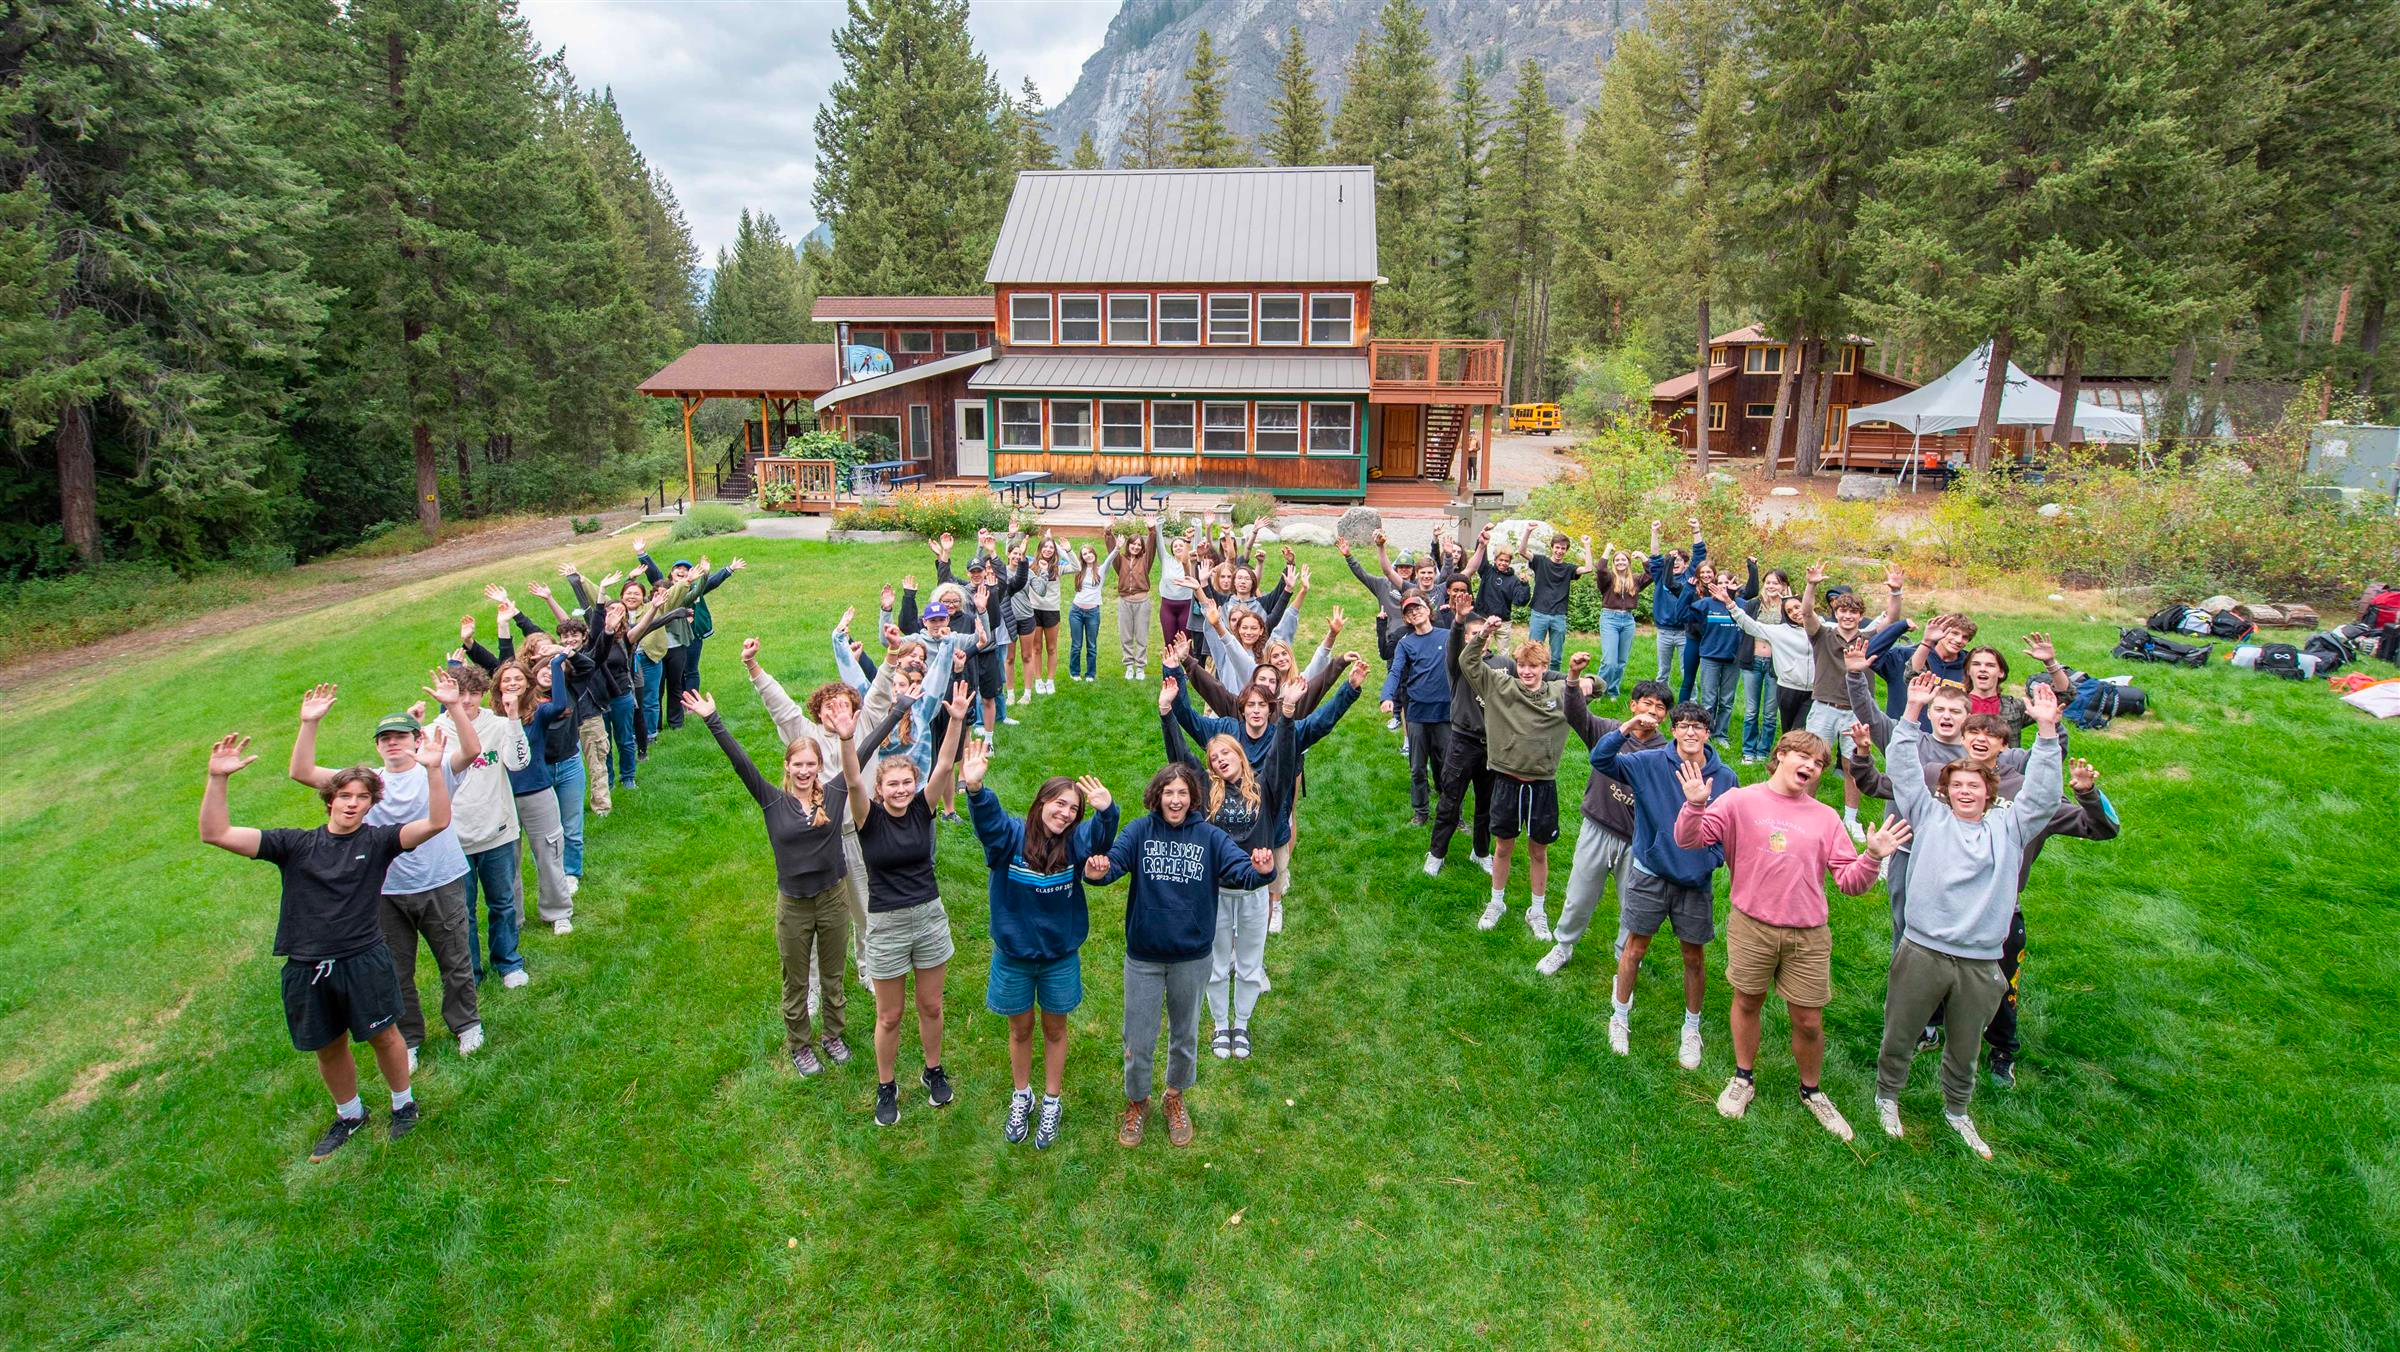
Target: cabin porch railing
x: 1436, y: 370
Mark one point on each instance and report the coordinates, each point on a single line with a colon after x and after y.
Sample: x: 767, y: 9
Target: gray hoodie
x: 1963, y: 876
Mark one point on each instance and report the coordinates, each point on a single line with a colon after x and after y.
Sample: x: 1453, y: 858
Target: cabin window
x: 916, y: 341
x: 1229, y: 320
x: 1278, y: 429
x: 1278, y: 320
x: 873, y: 338
x: 1029, y: 319
x: 864, y: 425
x: 1121, y: 425
x: 1129, y: 319
x: 1849, y: 360
x: 1070, y: 425
x: 1716, y: 417
x: 1171, y: 429
x: 955, y: 341
x: 1758, y: 410
x: 1020, y: 424
x: 1225, y: 428
x: 1079, y: 319
x: 920, y: 431
x: 1720, y: 356
x: 1333, y: 429
x: 1330, y: 320
x: 1766, y: 359
x: 1178, y: 319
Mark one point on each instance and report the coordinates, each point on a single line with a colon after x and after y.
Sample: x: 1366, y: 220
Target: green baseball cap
x: 400, y: 722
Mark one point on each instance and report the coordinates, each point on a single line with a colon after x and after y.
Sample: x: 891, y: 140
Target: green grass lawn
x: 1433, y: 1147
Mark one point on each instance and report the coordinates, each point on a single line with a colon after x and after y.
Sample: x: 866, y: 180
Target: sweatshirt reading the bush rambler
x: 1778, y: 849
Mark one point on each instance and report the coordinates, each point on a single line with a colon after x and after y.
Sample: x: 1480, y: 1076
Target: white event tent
x: 1954, y: 402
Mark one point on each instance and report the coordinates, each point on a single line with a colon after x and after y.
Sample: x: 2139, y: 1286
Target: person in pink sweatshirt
x: 1779, y: 843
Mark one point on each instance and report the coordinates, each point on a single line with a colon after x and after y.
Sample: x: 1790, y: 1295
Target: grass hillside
x: 1433, y: 1146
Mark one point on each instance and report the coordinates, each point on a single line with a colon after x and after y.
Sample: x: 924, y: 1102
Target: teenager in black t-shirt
x: 337, y: 973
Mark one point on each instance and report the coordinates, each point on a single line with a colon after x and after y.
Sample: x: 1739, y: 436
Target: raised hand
x: 1854, y: 656
x: 750, y: 652
x: 1577, y: 662
x: 638, y: 547
x: 842, y: 625
x: 226, y: 758
x: 908, y: 582
x: 1166, y: 696
x: 609, y: 583
x: 1893, y: 577
x: 1694, y: 523
x: 1921, y: 688
x: 704, y: 565
x: 2081, y: 777
x: 1860, y: 735
x: 973, y: 760
x: 433, y: 747
x: 1816, y: 573
x: 2041, y: 700
x: 2039, y: 647
x: 1344, y: 546
x: 1693, y: 783
x: 1639, y: 727
x: 699, y: 705
x: 892, y: 636
x: 466, y: 629
x: 317, y: 702
x: 958, y: 703
x: 494, y: 592
x: 416, y: 711
x: 1889, y: 835
x: 567, y: 570
x: 841, y: 719
x: 1095, y: 793
x: 1333, y: 625
x: 736, y: 564
x: 1358, y: 675
x: 444, y: 690
x: 886, y: 597
x: 508, y: 702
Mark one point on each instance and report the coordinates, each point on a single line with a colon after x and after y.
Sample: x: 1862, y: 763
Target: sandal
x: 1241, y: 1044
x: 1222, y: 1044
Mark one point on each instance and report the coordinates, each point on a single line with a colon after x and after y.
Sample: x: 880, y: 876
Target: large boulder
x: 1785, y: 491
x: 1359, y: 524
x: 1299, y: 532
x: 1864, y: 488
x: 1521, y: 535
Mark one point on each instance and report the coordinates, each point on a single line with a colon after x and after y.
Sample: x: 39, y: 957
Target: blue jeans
x: 494, y: 873
x: 651, y: 674
x: 1670, y: 650
x: 1550, y: 629
x: 1691, y: 668
x: 1083, y: 641
x: 1616, y: 649
x: 1716, y: 693
x: 1758, y: 711
x: 620, y: 732
x: 567, y: 781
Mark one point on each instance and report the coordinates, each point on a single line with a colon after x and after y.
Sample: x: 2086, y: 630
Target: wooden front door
x: 1403, y: 425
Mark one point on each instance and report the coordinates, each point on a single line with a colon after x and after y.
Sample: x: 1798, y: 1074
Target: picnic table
x: 879, y: 473
x: 1123, y: 496
x: 1025, y: 486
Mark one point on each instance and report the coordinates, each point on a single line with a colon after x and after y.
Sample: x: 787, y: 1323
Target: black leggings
x: 1792, y: 707
x: 1463, y: 768
x: 673, y: 683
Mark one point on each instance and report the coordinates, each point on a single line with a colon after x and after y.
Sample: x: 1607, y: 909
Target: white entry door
x: 974, y: 441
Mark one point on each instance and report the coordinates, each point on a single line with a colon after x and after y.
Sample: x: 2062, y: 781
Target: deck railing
x: 1436, y: 370
x: 811, y: 481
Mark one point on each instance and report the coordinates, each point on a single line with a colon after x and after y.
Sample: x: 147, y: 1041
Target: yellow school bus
x: 1542, y: 418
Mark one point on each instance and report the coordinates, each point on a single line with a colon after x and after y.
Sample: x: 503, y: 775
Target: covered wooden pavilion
x: 782, y: 377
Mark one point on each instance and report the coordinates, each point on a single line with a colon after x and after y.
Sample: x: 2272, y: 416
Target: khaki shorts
x: 1796, y: 964
x: 900, y: 942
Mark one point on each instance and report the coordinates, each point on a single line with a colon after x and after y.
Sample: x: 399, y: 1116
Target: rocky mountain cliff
x: 1154, y: 38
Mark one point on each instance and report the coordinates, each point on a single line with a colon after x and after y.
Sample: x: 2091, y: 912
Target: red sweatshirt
x: 1778, y: 850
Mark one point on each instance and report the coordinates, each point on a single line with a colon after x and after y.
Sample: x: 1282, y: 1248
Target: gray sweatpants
x: 1921, y: 980
x: 1172, y: 988
x: 440, y: 915
x: 1895, y: 884
x: 546, y: 838
x: 1133, y: 631
x: 1599, y: 852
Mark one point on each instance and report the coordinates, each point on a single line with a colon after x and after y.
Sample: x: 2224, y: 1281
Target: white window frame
x: 1140, y: 443
x: 1349, y: 320
x: 900, y: 345
x: 1191, y: 427
x: 1109, y: 320
x: 1018, y: 319
x: 974, y: 340
x: 1035, y: 422
x: 1099, y: 320
x: 1090, y: 427
x: 1309, y: 428
x: 1209, y: 329
x: 1259, y: 433
x: 1299, y: 319
x: 1198, y: 321
x: 1754, y: 359
x: 1217, y: 405
x: 909, y: 446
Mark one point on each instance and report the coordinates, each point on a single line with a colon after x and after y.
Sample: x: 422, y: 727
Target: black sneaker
x: 404, y: 1120
x: 1046, y: 1133
x: 1928, y: 1040
x: 937, y: 1087
x: 2004, y: 1070
x: 1020, y: 1116
x: 887, y: 1104
x: 336, y: 1136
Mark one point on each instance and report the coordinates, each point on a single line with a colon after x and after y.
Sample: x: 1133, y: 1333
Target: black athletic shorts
x: 1523, y: 807
x: 1045, y: 619
x: 359, y: 993
x: 987, y: 673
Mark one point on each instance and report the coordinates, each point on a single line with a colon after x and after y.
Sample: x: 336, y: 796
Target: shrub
x: 708, y: 518
x: 585, y: 525
x: 928, y: 514
x: 1250, y: 507
x: 824, y: 445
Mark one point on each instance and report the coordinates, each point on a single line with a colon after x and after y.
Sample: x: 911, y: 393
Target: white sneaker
x: 412, y: 1060
x: 1391, y: 725
x: 1620, y: 1033
x: 1129, y: 673
x: 1887, y: 1111
x: 1009, y: 721
x: 574, y: 885
x: 1965, y: 1127
x: 1484, y: 862
x: 1491, y: 915
x: 1553, y: 960
x: 1433, y: 866
x: 515, y: 979
x: 1820, y: 1106
x: 471, y: 1041
x: 1858, y: 833
x: 562, y: 927
x: 1735, y: 1101
x: 1538, y: 920
x: 1275, y: 915
x: 1687, y: 1053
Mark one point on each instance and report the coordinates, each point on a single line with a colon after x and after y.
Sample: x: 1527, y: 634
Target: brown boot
x: 1129, y: 1127
x: 1179, y: 1120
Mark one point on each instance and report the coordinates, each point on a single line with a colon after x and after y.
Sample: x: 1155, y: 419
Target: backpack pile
x: 2140, y: 645
x: 2098, y: 702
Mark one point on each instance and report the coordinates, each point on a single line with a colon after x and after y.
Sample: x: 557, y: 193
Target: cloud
x: 722, y: 95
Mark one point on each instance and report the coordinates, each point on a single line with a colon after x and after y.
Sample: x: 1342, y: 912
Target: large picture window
x: 1278, y: 321
x: 1029, y: 319
x: 1330, y: 320
x: 1332, y: 429
x: 1020, y: 424
x: 1171, y: 429
x: 1278, y: 429
x: 1079, y: 319
x: 1129, y: 319
x: 1178, y: 320
x: 864, y: 425
x: 1225, y: 429
x: 1070, y: 425
x: 1121, y: 425
x: 1229, y: 320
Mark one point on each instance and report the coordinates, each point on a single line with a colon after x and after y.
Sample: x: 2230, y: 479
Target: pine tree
x: 1392, y: 118
x: 759, y: 291
x: 1352, y: 128
x: 1465, y: 149
x: 1296, y: 119
x: 1087, y: 154
x: 641, y: 195
x: 1201, y: 138
x: 1148, y: 142
x: 1034, y: 150
x: 1522, y: 247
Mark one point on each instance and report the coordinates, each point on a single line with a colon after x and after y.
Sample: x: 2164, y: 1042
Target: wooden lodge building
x: 1211, y: 328
x: 1744, y: 368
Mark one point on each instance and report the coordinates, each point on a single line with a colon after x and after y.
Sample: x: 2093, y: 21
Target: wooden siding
x: 1361, y: 301
x: 940, y: 393
x: 887, y: 338
x: 1302, y: 475
x: 1743, y: 435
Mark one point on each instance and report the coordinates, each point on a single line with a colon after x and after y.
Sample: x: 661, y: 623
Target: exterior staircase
x: 1444, y: 424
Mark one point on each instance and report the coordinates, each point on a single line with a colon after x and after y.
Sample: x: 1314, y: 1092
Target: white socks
x: 1499, y: 898
x: 401, y: 1098
x: 1624, y: 1008
x: 1691, y: 1020
x: 351, y: 1111
x: 1537, y: 902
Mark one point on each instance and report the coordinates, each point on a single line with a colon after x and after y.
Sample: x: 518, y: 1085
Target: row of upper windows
x: 1766, y: 359
x: 908, y: 342
x: 1176, y: 426
x: 1118, y: 319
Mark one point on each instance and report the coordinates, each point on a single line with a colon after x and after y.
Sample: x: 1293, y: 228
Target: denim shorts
x: 1017, y: 984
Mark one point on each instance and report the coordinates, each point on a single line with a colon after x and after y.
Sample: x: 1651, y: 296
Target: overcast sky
x: 722, y: 95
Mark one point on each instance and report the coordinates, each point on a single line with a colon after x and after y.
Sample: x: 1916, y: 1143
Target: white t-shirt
x: 483, y: 808
x: 437, y: 861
